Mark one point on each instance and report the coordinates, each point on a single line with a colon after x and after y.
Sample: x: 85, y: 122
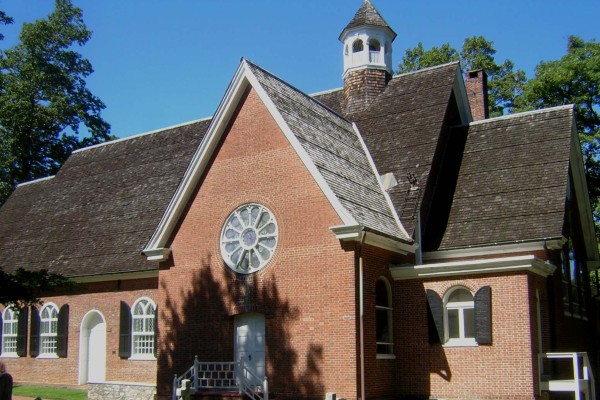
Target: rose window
x: 249, y: 238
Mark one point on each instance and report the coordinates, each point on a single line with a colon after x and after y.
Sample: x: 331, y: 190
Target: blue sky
x: 164, y: 62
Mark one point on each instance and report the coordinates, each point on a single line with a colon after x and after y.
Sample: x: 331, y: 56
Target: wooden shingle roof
x: 336, y: 150
x: 367, y: 15
x: 512, y: 184
x: 96, y: 215
x: 402, y: 127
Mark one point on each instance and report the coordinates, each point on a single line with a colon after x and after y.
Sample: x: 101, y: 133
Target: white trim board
x: 473, y: 267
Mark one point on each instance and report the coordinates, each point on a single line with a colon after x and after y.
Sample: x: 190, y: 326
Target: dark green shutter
x: 62, y: 332
x: 1, y: 330
x: 483, y: 315
x: 435, y: 317
x: 125, y: 331
x: 22, y: 332
x: 34, y: 333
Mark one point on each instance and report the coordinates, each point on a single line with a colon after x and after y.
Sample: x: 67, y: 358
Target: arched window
x: 143, y: 327
x: 383, y: 317
x: 48, y: 329
x: 10, y: 323
x: 357, y: 46
x: 459, y: 315
x: 374, y: 45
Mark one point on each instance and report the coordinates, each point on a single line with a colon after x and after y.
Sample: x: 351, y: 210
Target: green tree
x: 4, y: 20
x: 574, y: 79
x: 505, y: 83
x: 44, y: 101
x: 23, y: 288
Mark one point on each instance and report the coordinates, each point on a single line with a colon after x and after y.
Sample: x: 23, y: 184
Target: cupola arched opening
x: 374, y: 45
x: 357, y: 46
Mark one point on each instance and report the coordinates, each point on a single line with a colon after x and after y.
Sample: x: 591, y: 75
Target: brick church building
x: 382, y: 240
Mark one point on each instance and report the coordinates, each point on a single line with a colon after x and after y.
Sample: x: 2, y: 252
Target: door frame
x: 84, y: 350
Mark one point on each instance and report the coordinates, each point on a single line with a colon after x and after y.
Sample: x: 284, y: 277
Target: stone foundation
x: 121, y: 391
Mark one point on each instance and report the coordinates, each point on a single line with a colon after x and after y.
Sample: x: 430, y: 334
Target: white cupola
x: 367, y: 41
x: 367, y: 53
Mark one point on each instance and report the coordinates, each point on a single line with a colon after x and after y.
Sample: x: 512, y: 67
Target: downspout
x: 419, y: 250
x: 361, y: 315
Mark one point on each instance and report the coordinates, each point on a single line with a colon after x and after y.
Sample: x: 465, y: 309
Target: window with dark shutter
x: 435, y: 318
x: 62, y: 332
x: 483, y: 315
x: 125, y: 331
x: 34, y: 333
x: 22, y: 332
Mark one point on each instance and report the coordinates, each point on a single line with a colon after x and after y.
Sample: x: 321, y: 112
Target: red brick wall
x: 103, y: 297
x: 380, y: 374
x: 303, y: 291
x: 503, y: 370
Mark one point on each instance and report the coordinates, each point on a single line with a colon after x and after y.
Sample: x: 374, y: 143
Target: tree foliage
x: 574, y: 79
x: 23, y: 288
x: 505, y: 83
x: 44, y: 100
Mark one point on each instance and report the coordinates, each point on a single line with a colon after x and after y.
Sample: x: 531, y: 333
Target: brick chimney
x: 477, y: 93
x: 362, y: 86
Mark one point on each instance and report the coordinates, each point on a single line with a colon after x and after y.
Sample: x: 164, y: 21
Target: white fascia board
x: 583, y: 200
x: 355, y: 233
x: 379, y: 182
x: 155, y: 248
x: 462, y: 101
x: 473, y: 267
x: 536, y: 245
x: 116, y: 277
x: 343, y: 213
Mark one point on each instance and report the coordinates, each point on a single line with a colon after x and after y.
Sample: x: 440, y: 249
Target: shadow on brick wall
x: 200, y: 322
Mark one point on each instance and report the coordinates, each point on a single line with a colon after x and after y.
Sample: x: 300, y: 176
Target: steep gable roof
x: 95, y: 216
x: 329, y: 146
x: 403, y: 125
x: 513, y: 180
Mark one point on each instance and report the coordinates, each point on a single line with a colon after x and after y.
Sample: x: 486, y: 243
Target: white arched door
x: 92, y: 348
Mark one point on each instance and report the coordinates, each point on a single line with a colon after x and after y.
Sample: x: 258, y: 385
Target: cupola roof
x: 367, y: 15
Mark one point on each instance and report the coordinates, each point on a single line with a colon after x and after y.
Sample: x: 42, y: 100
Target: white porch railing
x: 217, y: 376
x: 580, y: 382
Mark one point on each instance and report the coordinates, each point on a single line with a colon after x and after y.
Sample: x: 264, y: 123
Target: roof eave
x: 356, y: 233
x: 528, y: 263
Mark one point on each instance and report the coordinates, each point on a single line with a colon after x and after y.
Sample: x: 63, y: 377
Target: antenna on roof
x: 411, y: 198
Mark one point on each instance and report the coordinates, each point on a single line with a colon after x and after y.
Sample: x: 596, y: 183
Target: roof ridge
x: 35, y: 180
x: 523, y: 114
x: 426, y: 69
x: 142, y: 134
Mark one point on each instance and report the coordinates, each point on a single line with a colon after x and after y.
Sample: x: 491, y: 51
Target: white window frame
x: 49, y: 339
x: 10, y: 329
x: 389, y: 309
x: 143, y: 336
x: 461, y: 306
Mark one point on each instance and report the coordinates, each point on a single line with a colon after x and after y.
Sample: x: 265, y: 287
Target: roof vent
x: 388, y: 181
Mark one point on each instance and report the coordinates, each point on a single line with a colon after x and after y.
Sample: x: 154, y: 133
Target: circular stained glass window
x: 249, y: 238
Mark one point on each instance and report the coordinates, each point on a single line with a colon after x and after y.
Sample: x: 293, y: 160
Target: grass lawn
x: 48, y: 393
